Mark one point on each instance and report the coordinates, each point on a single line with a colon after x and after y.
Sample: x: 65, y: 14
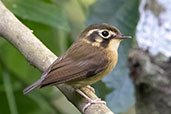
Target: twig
x: 41, y: 57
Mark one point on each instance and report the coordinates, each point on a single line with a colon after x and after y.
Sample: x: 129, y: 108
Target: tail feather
x: 33, y: 86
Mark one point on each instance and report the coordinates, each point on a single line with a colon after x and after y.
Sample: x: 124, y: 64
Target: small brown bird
x: 88, y: 60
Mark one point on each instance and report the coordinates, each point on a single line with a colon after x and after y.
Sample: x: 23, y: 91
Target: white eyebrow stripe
x: 100, y: 30
x: 91, y: 31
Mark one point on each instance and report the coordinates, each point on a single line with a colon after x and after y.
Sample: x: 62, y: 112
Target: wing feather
x: 75, y: 64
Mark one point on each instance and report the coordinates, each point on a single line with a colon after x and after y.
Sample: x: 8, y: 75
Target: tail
x: 31, y: 87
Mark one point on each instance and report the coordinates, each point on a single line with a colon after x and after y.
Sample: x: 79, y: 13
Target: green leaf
x: 33, y: 103
x: 4, y: 107
x: 39, y: 11
x: 11, y: 58
x: 9, y: 93
x: 124, y: 15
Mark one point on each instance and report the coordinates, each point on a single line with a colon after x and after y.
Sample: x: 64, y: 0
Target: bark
x: 152, y: 78
x: 41, y: 57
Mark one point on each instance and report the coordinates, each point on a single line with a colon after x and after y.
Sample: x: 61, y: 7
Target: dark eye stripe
x: 105, y: 43
x: 93, y: 36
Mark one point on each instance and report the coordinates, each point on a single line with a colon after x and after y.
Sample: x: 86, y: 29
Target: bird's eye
x: 105, y: 34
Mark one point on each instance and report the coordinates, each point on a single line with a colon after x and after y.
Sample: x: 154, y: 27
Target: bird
x: 91, y: 57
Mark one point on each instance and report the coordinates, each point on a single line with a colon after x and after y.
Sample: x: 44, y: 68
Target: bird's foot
x: 90, y: 88
x: 90, y: 101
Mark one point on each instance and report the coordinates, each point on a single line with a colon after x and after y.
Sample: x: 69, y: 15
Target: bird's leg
x: 90, y: 101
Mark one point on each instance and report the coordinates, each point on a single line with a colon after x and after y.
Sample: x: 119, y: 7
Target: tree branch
x: 41, y: 57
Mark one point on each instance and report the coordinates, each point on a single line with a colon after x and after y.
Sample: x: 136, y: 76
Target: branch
x: 41, y: 57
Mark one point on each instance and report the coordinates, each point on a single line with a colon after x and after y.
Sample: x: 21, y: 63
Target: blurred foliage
x: 38, y: 11
x: 51, y: 21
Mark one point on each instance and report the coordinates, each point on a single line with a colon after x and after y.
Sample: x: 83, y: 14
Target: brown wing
x: 76, y: 63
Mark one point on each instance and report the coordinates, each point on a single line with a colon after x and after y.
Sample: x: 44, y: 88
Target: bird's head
x: 103, y: 35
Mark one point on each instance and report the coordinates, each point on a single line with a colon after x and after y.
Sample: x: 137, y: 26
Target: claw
x: 90, y: 101
x: 91, y: 88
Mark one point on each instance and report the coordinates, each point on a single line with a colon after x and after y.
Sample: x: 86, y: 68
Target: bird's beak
x: 122, y: 37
